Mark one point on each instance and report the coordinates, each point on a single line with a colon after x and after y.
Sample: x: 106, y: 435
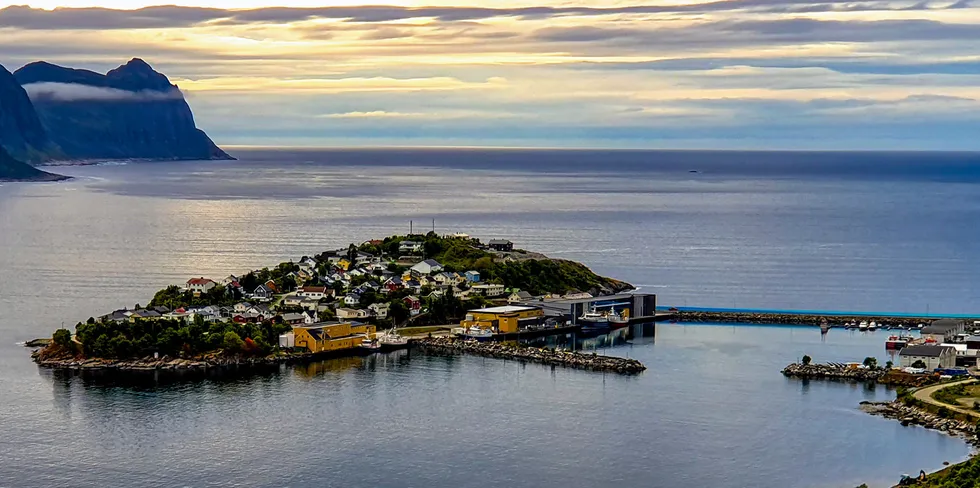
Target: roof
x: 198, y: 281
x: 431, y: 262
x: 292, y: 316
x: 923, y: 350
x: 504, y: 309
x: 499, y: 241
x: 942, y: 326
x: 973, y: 339
x: 314, y: 289
x: 523, y: 295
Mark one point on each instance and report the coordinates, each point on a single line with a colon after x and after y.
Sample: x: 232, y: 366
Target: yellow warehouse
x: 502, y: 319
x: 319, y: 338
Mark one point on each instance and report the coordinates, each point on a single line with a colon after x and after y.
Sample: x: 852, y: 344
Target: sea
x: 832, y: 231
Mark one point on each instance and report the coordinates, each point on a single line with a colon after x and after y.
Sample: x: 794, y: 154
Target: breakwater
x: 591, y: 362
x: 832, y: 371
x: 909, y: 415
x: 796, y: 318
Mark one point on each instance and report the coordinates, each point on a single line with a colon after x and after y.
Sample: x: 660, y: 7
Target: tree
x: 807, y: 360
x: 62, y: 338
x: 919, y: 364
x: 232, y: 342
x: 871, y: 362
x: 398, y: 312
x: 889, y: 365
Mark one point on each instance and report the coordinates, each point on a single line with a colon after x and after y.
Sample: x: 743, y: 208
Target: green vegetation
x: 963, y: 475
x: 952, y: 394
x: 807, y: 360
x: 919, y: 364
x: 137, y: 339
x: 871, y: 363
x: 173, y: 297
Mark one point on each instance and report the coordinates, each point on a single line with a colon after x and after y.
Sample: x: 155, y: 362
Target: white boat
x: 371, y: 345
x: 391, y: 340
x: 873, y: 325
x: 863, y: 325
x: 478, y: 334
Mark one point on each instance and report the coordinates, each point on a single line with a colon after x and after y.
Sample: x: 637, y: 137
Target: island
x: 335, y: 302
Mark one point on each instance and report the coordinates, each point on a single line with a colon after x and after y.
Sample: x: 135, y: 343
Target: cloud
x: 73, y: 92
x: 22, y: 17
x: 375, y: 115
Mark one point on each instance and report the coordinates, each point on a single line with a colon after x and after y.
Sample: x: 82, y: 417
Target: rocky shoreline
x: 832, y: 371
x: 591, y: 362
x: 907, y: 415
x: 166, y: 363
x: 794, y: 319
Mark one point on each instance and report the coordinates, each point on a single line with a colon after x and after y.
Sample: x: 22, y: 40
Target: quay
x: 592, y: 362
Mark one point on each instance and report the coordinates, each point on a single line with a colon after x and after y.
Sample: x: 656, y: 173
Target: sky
x: 686, y: 74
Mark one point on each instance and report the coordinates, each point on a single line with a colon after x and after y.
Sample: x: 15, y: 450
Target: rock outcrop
x: 13, y: 170
x: 832, y: 371
x: 908, y: 415
x: 131, y: 112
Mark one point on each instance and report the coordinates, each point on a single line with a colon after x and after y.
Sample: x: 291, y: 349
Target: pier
x: 834, y: 319
x: 591, y: 362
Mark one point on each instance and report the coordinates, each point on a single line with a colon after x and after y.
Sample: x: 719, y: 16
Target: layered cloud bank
x: 735, y: 73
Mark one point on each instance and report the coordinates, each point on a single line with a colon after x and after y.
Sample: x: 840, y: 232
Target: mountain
x: 21, y: 132
x: 13, y: 170
x: 131, y: 112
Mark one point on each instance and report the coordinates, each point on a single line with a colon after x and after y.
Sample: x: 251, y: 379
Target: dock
x: 802, y: 317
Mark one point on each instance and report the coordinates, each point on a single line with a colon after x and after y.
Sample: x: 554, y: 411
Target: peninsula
x: 328, y: 304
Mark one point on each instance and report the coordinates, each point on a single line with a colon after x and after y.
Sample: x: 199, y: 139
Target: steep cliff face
x: 21, y: 132
x: 129, y: 112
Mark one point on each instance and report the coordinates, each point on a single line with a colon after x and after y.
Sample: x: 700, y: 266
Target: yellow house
x: 319, y: 338
x: 502, y: 319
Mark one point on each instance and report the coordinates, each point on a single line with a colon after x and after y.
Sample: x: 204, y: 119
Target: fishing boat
x: 593, y: 321
x: 897, y: 342
x: 391, y: 341
x: 478, y: 334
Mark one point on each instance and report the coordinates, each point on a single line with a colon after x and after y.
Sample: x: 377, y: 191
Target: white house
x: 229, y: 280
x: 932, y: 356
x: 352, y: 299
x: 200, y: 285
x: 519, y: 297
x: 262, y: 292
x: 350, y: 313
x: 427, y: 267
x: 489, y: 289
x: 241, y: 307
x: 317, y: 292
x: 380, y: 310
x: 409, y: 246
x: 310, y: 318
x: 287, y: 340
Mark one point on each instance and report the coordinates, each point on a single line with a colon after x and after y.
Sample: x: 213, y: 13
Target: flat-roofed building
x: 504, y: 319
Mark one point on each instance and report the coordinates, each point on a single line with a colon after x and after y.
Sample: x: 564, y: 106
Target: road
x: 925, y: 394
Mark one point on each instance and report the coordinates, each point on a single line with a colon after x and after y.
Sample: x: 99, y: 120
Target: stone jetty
x: 908, y: 415
x: 833, y: 371
x: 794, y: 318
x: 167, y: 363
x: 592, y: 362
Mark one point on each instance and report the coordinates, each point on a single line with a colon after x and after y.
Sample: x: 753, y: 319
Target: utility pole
x: 411, y: 227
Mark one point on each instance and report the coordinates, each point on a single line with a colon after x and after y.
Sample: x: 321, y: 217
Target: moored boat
x: 391, y: 341
x: 897, y: 342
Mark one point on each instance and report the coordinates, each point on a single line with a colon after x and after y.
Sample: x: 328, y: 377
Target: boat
x: 391, y: 341
x: 371, y: 345
x: 863, y: 325
x: 478, y: 334
x: 594, y: 320
x: 897, y: 342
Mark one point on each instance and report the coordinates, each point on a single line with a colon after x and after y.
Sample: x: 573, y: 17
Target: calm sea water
x: 862, y: 232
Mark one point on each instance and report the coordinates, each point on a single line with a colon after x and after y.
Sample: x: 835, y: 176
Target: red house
x: 414, y: 304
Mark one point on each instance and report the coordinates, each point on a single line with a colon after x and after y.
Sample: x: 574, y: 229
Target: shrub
x: 233, y: 342
x: 62, y: 338
x: 807, y: 360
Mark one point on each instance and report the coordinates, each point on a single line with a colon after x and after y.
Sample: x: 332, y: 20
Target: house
x: 519, y: 297
x: 241, y: 307
x: 272, y: 286
x: 317, y: 292
x: 427, y: 267
x: 229, y: 280
x: 310, y: 317
x: 344, y: 264
x: 414, y: 304
x: 501, y: 245
x: 413, y: 285
x: 308, y: 262
x: 932, y: 356
x: 320, y: 338
x: 310, y: 304
x: 351, y: 313
x: 287, y: 340
x: 943, y: 330
x: 472, y: 276
x: 260, y: 309
x: 293, y: 318
x: 409, y: 247
x: 247, y: 318
x: 489, y: 289
x: 293, y: 301
x: 379, y: 310
x: 262, y: 292
x: 200, y: 285
x: 445, y: 278
x: 352, y: 299
x: 394, y: 283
